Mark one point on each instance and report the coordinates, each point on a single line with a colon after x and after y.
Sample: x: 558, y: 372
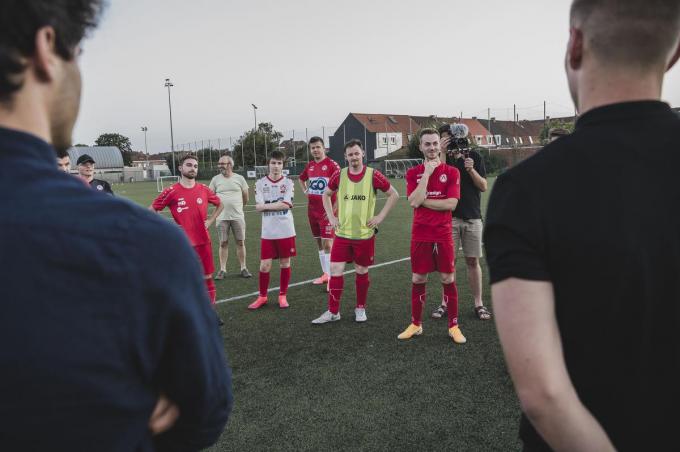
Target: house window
x: 498, y: 140
x: 393, y: 140
x: 489, y: 139
x: 531, y: 140
x: 384, y: 140
x: 478, y: 139
x: 520, y: 140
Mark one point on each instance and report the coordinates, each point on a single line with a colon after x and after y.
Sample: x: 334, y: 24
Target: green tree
x: 554, y: 123
x: 121, y: 142
x: 266, y: 139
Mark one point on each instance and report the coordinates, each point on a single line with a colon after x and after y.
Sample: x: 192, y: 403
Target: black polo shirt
x: 101, y: 185
x: 103, y: 308
x: 597, y: 213
x: 469, y: 204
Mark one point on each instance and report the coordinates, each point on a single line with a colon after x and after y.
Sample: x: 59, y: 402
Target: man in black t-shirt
x: 583, y: 245
x: 467, y: 218
x: 85, y: 165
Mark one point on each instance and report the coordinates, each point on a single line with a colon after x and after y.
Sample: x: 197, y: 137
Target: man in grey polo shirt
x: 232, y: 190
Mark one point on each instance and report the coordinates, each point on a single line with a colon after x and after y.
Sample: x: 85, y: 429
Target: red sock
x: 264, y: 283
x: 212, y: 292
x: 362, y: 282
x: 417, y: 303
x: 285, y: 279
x: 451, y: 298
x: 335, y: 292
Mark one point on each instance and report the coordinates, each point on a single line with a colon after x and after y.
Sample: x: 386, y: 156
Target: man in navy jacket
x: 107, y: 337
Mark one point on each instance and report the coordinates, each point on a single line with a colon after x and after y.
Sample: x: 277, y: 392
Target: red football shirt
x: 189, y: 208
x: 318, y: 174
x: 380, y: 182
x: 433, y: 225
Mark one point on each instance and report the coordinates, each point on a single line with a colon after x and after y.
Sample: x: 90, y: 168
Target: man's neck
x: 227, y: 175
x: 605, y: 87
x: 26, y: 116
x: 358, y: 170
x: 275, y: 177
x: 187, y: 183
x: 317, y: 160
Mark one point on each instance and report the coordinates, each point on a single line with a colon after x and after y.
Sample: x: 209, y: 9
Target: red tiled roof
x: 380, y: 123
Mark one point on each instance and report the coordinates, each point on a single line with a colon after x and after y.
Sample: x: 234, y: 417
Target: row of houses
x: 384, y: 134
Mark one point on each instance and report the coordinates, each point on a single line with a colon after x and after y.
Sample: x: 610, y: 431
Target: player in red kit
x: 188, y: 202
x: 314, y: 180
x: 433, y: 190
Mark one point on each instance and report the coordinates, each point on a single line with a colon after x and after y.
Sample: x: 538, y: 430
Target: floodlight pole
x: 254, y: 132
x: 168, y: 84
x: 146, y: 148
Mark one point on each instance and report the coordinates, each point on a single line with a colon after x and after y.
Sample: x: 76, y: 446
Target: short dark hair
x: 354, y: 142
x: 187, y: 157
x: 20, y: 20
x: 630, y: 33
x: 444, y: 128
x: 316, y: 140
x: 429, y: 131
x: 276, y: 155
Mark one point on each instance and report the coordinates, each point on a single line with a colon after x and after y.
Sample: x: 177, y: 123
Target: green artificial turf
x: 350, y: 386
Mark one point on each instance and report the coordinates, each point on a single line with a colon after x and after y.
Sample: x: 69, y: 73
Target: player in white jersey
x: 314, y: 180
x: 274, y: 198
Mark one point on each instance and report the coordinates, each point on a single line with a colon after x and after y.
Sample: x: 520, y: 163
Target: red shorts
x: 320, y: 226
x: 204, y: 253
x: 277, y: 248
x: 427, y: 257
x: 360, y: 252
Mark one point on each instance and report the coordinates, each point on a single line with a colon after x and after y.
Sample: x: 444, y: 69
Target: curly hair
x: 20, y: 20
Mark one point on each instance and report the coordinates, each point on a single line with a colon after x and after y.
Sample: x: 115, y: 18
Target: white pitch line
x: 272, y: 289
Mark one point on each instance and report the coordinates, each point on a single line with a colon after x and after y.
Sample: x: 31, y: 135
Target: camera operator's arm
x: 477, y: 179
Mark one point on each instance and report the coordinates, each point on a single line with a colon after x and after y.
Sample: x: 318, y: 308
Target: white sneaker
x: 360, y: 315
x: 326, y: 317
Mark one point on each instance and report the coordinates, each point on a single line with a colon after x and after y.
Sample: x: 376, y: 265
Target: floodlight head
x: 254, y: 106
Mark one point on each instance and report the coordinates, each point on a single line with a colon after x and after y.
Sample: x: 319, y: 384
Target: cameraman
x: 467, y: 218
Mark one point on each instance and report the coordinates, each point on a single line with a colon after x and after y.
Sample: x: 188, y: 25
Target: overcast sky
x: 308, y: 63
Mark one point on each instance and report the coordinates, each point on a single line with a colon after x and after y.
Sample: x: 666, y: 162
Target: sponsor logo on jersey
x: 443, y: 178
x: 283, y: 188
x: 355, y: 198
x: 318, y: 185
x: 100, y: 187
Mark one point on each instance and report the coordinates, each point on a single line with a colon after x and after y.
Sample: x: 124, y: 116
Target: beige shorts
x: 237, y: 226
x: 468, y: 233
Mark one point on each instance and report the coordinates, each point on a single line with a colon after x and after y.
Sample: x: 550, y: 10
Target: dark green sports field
x: 349, y: 386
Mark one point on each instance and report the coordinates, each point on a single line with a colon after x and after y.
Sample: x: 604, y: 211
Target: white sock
x: 322, y: 260
x: 327, y: 263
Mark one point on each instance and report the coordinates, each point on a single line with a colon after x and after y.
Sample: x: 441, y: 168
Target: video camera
x: 458, y: 141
